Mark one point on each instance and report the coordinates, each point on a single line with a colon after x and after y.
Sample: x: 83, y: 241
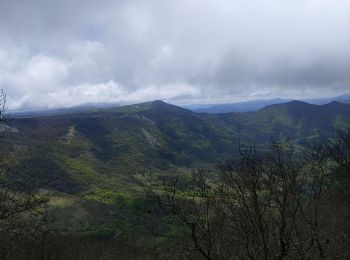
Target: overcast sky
x: 71, y: 52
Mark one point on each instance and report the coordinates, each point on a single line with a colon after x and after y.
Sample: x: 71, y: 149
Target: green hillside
x: 95, y: 162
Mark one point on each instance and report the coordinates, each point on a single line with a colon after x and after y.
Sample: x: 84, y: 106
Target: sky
x: 73, y: 52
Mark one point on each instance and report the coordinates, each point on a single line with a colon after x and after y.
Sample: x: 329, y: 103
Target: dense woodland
x: 277, y: 199
x: 273, y: 205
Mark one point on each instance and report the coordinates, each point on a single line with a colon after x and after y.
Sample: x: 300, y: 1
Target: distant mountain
x: 89, y: 157
x: 247, y: 106
x: 161, y: 135
x: 321, y: 101
x: 257, y: 104
x: 235, y: 107
x: 59, y: 111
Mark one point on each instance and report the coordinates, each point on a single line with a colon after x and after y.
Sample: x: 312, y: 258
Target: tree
x: 197, y: 209
x: 20, y: 202
x: 265, y: 205
x: 3, y: 99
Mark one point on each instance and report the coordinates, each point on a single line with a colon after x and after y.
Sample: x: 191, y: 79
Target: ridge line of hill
x: 137, y: 107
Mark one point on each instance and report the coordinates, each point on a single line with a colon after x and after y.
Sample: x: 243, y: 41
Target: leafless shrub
x: 265, y: 205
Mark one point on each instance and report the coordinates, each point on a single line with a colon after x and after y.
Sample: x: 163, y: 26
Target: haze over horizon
x: 68, y: 53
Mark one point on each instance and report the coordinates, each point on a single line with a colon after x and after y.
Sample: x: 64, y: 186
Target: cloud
x: 109, y: 92
x: 181, y: 51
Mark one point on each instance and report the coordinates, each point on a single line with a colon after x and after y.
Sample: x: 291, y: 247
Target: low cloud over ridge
x: 67, y: 53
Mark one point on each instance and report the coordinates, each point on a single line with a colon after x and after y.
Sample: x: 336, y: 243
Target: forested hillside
x: 94, y: 166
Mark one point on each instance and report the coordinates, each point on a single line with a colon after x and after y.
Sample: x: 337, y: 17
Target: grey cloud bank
x: 67, y: 53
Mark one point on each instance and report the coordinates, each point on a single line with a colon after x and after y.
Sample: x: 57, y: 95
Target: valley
x: 93, y: 161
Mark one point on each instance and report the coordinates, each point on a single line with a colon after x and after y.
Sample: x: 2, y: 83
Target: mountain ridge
x: 246, y: 106
x: 255, y: 105
x: 92, y: 155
